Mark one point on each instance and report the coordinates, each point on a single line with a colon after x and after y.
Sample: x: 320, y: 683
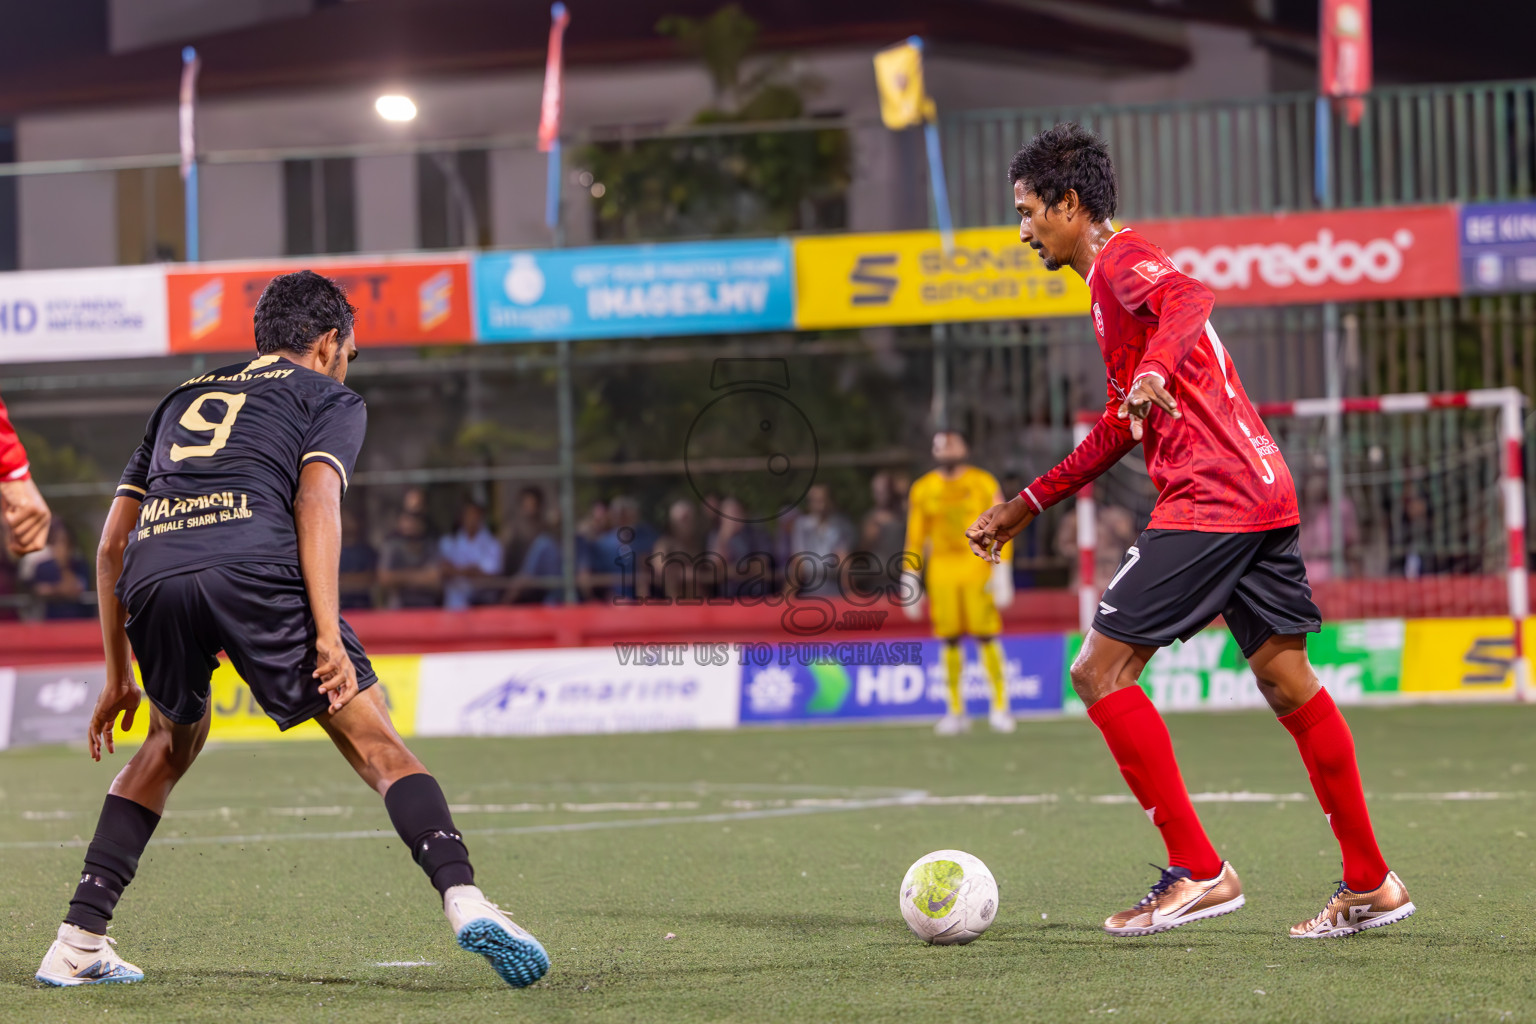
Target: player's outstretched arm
x: 317, y: 517
x: 997, y: 526
x: 121, y: 695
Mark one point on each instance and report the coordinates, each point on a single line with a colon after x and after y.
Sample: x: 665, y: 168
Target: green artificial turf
x: 773, y: 857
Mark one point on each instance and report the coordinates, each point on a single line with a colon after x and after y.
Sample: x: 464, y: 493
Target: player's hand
x: 117, y: 697
x: 1147, y: 391
x: 338, y: 677
x: 26, y: 516
x: 997, y: 526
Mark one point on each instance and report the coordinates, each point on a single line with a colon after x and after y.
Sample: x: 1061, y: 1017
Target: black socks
x: 420, y: 815
x: 110, y: 862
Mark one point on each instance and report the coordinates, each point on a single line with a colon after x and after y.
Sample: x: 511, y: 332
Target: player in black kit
x: 226, y: 535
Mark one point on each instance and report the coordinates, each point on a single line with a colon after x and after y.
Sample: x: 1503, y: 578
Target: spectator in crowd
x: 539, y: 580
x: 746, y: 549
x: 409, y: 569
x: 820, y: 541
x: 414, y: 501
x: 883, y: 530
x: 524, y: 527
x: 677, y: 571
x: 1115, y: 534
x: 62, y: 577
x: 1317, y: 526
x: 470, y: 556
x: 620, y: 557
x: 588, y: 532
x: 9, y: 587
x: 359, y: 563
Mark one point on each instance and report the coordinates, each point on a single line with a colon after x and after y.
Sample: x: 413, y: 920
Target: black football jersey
x: 218, y: 469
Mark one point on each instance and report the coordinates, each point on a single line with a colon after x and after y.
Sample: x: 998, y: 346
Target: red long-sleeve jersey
x: 13, y: 457
x: 1215, y: 468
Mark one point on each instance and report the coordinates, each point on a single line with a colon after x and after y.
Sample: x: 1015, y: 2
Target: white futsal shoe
x: 952, y: 725
x: 481, y: 927
x: 79, y: 957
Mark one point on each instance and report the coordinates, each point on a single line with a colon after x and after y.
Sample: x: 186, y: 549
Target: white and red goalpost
x: 1432, y: 517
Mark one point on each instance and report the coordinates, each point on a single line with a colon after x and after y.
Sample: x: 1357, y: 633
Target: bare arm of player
x: 997, y: 526
x: 26, y: 516
x: 317, y: 517
x: 121, y: 695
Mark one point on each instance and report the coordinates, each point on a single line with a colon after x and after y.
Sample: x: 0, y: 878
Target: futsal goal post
x: 1412, y: 505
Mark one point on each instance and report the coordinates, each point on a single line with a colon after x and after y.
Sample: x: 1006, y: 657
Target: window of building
x: 319, y: 206
x: 151, y: 215
x: 453, y: 205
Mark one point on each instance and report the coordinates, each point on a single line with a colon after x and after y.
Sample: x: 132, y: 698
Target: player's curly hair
x: 295, y: 309
x: 1068, y: 156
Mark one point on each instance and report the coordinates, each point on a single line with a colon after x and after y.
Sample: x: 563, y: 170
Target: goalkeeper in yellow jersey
x: 963, y: 592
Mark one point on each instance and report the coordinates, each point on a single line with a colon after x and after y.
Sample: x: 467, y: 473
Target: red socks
x: 1328, y: 750
x: 1139, y: 741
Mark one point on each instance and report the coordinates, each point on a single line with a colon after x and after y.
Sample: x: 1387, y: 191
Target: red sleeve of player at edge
x: 13, y: 457
x: 1155, y: 292
x: 1105, y: 445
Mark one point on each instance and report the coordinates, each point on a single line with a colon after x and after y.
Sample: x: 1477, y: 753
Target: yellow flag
x: 899, y: 74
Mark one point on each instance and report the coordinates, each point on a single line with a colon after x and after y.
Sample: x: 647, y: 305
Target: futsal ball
x: 948, y: 898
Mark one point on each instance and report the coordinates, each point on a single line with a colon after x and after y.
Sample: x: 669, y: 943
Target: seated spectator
x: 409, y: 569
x: 539, y: 579
x: 620, y: 556
x: 1116, y: 532
x: 678, y: 571
x: 819, y: 542
x: 522, y: 529
x: 62, y: 577
x: 10, y: 585
x: 470, y: 556
x: 882, y: 532
x: 746, y: 550
x: 588, y: 532
x: 359, y: 563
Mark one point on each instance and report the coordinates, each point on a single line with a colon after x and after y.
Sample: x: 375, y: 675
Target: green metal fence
x: 1419, y: 144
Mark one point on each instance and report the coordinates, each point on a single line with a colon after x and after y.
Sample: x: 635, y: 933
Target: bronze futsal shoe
x: 1179, y: 899
x: 1349, y: 912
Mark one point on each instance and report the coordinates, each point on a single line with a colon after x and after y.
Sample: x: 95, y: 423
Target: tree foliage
x: 749, y: 183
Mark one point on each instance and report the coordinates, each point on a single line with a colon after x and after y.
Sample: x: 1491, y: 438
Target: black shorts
x: 259, y: 617
x: 1172, y: 583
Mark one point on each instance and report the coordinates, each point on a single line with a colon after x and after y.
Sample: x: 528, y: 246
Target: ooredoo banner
x: 574, y: 690
x: 112, y: 313
x: 399, y: 302
x: 1284, y: 259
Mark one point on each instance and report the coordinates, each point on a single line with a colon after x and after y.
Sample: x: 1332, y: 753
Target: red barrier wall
x: 592, y: 625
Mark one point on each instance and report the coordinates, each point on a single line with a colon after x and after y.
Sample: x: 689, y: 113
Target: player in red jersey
x: 21, y: 506
x: 1223, y: 539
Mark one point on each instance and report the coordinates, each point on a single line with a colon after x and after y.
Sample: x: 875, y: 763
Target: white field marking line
x: 906, y: 798
x: 404, y: 963
x: 573, y: 808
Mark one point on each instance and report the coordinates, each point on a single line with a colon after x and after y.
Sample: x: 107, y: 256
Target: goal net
x: 1412, y: 506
